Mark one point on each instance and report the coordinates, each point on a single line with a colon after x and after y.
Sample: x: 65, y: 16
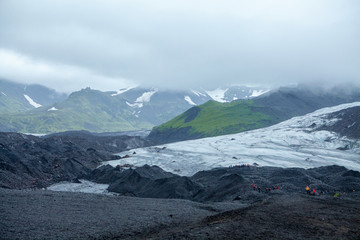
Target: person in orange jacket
x: 307, y: 190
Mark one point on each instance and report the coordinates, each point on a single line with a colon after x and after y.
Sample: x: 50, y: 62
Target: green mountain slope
x: 213, y: 119
x: 84, y: 110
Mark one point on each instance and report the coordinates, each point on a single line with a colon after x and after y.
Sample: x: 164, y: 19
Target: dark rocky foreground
x: 225, y: 184
x: 284, y: 217
x: 224, y: 206
x: 27, y: 161
x: 215, y: 204
x: 40, y: 214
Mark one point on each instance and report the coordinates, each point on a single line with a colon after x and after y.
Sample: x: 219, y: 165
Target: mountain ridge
x: 128, y: 109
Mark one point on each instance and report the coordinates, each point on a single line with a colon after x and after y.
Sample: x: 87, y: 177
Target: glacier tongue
x: 292, y: 143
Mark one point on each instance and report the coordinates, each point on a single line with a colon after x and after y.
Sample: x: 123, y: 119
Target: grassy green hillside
x: 214, y: 118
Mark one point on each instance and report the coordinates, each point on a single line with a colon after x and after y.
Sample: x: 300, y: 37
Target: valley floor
x: 39, y: 214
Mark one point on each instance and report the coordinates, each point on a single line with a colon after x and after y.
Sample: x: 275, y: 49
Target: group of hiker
x: 240, y: 165
x: 269, y: 189
x: 313, y: 192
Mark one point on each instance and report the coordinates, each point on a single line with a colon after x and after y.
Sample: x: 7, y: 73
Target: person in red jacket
x: 314, y: 191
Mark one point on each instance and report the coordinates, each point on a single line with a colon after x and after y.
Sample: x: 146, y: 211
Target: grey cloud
x: 182, y: 44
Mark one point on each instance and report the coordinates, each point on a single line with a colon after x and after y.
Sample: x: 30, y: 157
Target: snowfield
x: 217, y: 94
x: 145, y: 97
x: 292, y: 143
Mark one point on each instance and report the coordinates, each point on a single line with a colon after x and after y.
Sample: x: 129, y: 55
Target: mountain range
x: 37, y: 109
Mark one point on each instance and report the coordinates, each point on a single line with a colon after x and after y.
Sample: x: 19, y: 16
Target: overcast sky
x: 107, y: 45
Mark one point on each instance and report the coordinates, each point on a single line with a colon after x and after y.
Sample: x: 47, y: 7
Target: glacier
x: 292, y: 143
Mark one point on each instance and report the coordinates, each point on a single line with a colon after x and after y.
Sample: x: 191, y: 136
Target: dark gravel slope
x: 26, y: 214
x: 37, y: 214
x: 283, y: 217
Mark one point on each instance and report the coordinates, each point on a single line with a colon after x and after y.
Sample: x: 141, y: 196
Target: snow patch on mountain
x: 145, y: 97
x: 32, y: 102
x: 257, y: 93
x: 135, y: 105
x: 292, y: 143
x: 52, y: 109
x: 197, y: 93
x: 122, y: 91
x: 217, y: 94
x: 136, y: 113
x: 3, y: 94
x: 188, y: 99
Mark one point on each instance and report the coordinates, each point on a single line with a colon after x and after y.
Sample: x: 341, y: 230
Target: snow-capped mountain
x: 235, y: 93
x: 307, y: 141
x: 138, y: 108
x: 137, y: 95
x: 132, y: 108
x: 158, y: 106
